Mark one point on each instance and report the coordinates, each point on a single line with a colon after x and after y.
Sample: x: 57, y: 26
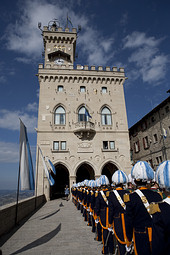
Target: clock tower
x: 59, y: 46
x: 82, y: 122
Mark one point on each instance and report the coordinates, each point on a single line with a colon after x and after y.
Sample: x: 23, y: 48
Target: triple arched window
x: 60, y: 116
x: 106, y: 116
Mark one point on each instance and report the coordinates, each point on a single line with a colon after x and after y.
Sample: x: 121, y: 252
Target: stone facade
x: 150, y: 137
x: 82, y: 121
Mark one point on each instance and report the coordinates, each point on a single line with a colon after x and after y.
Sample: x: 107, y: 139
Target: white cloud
x: 24, y: 36
x: 24, y: 60
x: 10, y: 120
x: 138, y: 39
x: 9, y: 152
x: 32, y: 107
x: 149, y: 63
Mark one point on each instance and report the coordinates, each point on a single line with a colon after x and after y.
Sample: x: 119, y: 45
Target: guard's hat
x: 163, y: 175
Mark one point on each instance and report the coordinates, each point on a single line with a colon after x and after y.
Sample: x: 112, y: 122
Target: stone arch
x: 83, y: 171
x: 61, y: 180
x: 108, y: 169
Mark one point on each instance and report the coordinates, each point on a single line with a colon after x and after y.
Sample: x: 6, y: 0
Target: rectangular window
x: 105, y: 145
x: 56, y: 146
x: 112, y: 145
x: 60, y: 88
x: 155, y: 138
x: 63, y: 145
x: 160, y: 159
x: 145, y: 142
x: 104, y: 90
x: 82, y: 89
x: 144, y: 125
x: 157, y: 160
x: 137, y: 146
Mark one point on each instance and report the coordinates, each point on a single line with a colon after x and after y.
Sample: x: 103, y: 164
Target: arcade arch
x: 61, y: 180
x: 108, y: 170
x: 84, y: 171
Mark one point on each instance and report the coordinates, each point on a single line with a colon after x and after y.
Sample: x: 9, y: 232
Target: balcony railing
x: 84, y: 129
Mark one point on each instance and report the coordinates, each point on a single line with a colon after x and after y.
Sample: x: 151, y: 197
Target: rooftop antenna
x: 39, y: 26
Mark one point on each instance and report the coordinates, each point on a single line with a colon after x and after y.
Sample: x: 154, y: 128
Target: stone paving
x: 54, y: 229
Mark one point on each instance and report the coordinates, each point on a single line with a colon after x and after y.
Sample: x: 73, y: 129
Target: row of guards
x: 130, y: 216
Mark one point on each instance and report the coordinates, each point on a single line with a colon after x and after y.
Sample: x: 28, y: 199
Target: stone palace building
x: 82, y: 121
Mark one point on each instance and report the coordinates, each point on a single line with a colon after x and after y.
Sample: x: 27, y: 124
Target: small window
x: 155, y: 138
x: 112, y: 145
x: 145, y: 142
x: 56, y: 146
x: 157, y: 160
x: 137, y: 146
x: 105, y: 145
x: 167, y: 109
x: 60, y: 88
x: 153, y: 119
x: 144, y: 125
x: 63, y: 145
x: 82, y: 89
x: 104, y: 90
x: 160, y: 159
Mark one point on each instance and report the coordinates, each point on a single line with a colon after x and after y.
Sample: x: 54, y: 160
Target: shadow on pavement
x: 39, y: 241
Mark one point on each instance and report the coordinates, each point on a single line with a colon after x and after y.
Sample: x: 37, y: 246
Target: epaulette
x: 126, y: 197
x: 153, y: 208
x: 96, y: 194
x: 107, y: 193
x: 92, y: 193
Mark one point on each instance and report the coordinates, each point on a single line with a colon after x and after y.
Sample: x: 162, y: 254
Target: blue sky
x: 128, y: 33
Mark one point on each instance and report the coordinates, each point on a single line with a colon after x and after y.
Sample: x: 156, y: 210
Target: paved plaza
x: 54, y: 229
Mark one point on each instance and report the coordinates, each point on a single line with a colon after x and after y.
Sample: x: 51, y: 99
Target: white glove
x: 111, y: 230
x: 91, y: 213
x: 97, y: 221
x: 128, y: 248
x: 88, y: 209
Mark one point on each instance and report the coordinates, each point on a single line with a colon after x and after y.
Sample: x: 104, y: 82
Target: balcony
x: 85, y: 130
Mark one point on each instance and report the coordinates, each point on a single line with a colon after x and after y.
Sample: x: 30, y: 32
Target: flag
x: 49, y: 176
x: 25, y: 162
x: 69, y: 21
x: 87, y: 113
x: 164, y: 133
x: 52, y: 167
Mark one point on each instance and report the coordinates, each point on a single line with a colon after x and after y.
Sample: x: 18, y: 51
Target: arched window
x: 106, y: 116
x: 60, y: 116
x: 83, y: 114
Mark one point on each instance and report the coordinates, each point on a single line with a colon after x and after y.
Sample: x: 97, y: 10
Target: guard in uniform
x: 137, y: 218
x: 103, y: 214
x: 161, y: 213
x: 117, y: 209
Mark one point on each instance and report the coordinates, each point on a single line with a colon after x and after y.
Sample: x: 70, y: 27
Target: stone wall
x: 25, y: 208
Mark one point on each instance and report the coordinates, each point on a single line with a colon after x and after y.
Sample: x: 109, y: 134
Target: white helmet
x: 142, y: 171
x: 119, y: 177
x: 163, y: 175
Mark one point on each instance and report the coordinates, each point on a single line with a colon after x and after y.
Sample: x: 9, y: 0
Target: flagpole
x: 16, y: 214
x: 36, y: 176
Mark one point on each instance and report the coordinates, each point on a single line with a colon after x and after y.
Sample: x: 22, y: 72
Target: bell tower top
x: 59, y: 45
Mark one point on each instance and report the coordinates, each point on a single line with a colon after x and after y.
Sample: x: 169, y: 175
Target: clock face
x: 59, y: 61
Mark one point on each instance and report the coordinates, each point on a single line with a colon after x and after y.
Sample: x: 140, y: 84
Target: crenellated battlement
x: 85, y: 68
x: 100, y: 68
x: 59, y: 29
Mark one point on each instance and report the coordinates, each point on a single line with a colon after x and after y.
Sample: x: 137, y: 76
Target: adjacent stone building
x: 150, y: 136
x: 82, y: 121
